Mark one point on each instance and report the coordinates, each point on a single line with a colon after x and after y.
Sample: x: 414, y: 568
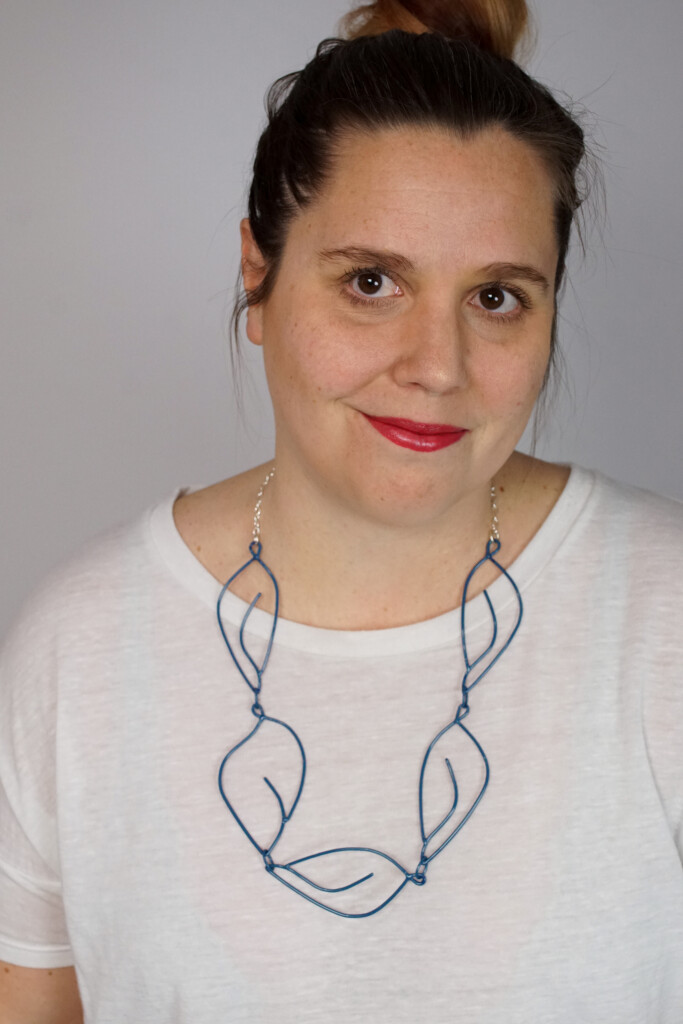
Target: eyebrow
x: 368, y: 257
x: 393, y: 261
x: 518, y: 270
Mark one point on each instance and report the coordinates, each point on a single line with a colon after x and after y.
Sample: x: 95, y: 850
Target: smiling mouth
x: 420, y: 437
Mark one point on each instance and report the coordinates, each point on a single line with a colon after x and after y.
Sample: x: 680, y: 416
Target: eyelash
x: 356, y: 300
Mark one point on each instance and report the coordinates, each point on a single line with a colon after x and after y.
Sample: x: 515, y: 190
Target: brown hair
x: 444, y: 63
x: 496, y: 26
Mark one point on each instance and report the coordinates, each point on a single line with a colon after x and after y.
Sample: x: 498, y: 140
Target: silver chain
x: 256, y: 535
x: 493, y: 531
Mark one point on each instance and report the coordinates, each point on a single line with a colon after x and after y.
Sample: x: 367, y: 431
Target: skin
x: 39, y: 996
x: 424, y: 347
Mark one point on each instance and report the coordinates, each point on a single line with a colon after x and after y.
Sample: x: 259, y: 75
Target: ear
x: 253, y: 272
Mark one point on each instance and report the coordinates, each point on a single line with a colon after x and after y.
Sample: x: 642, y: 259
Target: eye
x: 370, y: 283
x: 498, y: 300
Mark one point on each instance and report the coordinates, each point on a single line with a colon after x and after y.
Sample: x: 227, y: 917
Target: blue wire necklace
x: 289, y: 873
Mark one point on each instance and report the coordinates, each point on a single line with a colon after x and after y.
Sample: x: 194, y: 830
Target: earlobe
x: 253, y: 272
x: 254, y: 325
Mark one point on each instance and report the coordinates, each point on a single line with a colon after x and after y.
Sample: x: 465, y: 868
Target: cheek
x: 318, y: 358
x: 510, y: 382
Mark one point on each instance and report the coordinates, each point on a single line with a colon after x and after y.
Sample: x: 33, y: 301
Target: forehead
x: 435, y: 194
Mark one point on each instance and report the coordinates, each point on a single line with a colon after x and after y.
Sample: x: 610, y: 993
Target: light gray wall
x: 127, y: 130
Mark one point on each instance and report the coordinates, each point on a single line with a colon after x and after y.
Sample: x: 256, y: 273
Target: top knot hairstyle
x: 417, y: 63
x: 492, y: 25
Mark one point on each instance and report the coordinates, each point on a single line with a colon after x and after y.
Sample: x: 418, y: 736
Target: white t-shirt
x: 559, y: 901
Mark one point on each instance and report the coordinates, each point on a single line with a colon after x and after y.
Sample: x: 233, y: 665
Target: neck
x: 341, y: 569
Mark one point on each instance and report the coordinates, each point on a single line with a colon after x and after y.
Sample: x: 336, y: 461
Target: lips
x: 420, y: 437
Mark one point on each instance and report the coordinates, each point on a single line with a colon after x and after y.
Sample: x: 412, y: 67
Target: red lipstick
x: 420, y: 437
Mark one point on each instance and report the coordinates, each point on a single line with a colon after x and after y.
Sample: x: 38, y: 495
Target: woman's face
x: 419, y: 287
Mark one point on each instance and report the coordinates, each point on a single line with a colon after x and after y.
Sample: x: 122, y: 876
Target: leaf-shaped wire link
x: 449, y: 823
x: 285, y: 873
x: 460, y: 819
x: 255, y: 687
x: 263, y: 725
x: 492, y: 548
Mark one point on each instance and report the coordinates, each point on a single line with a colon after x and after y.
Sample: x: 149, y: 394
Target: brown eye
x: 495, y: 299
x: 492, y: 298
x: 369, y: 284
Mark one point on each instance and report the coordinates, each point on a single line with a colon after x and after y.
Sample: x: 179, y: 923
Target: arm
x: 32, y: 996
x: 32, y: 917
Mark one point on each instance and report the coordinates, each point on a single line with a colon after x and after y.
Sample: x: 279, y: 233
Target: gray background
x: 127, y: 131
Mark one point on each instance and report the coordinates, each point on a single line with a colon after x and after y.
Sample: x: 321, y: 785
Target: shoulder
x: 636, y: 516
x: 79, y: 618
x: 604, y: 501
x: 610, y: 536
x: 83, y: 589
x: 627, y: 540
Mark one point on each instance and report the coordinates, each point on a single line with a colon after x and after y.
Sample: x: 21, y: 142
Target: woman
x: 246, y: 829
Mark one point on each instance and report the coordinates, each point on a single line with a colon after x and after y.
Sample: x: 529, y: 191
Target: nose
x: 433, y: 351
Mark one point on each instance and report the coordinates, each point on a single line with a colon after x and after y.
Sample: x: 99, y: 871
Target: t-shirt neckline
x: 179, y: 560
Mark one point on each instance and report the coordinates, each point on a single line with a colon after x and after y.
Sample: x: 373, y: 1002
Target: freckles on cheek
x: 327, y: 365
x: 513, y: 387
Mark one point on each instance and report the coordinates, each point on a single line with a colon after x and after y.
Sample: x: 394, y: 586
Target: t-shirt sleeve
x: 658, y: 545
x: 33, y: 930
x: 663, y: 725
